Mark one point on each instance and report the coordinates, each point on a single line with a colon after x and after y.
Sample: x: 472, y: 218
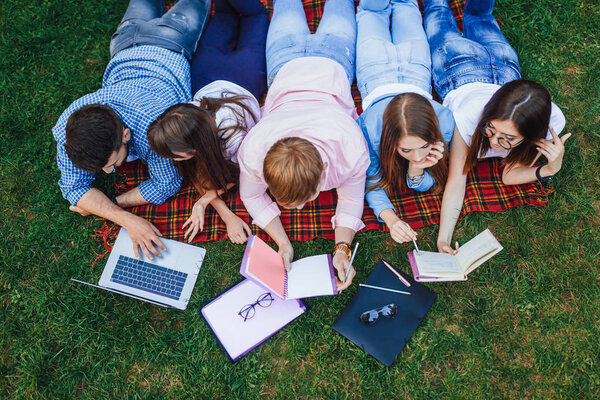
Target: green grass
x: 525, y: 325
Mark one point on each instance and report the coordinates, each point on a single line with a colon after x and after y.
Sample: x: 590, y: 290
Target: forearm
x: 221, y: 208
x: 452, y: 202
x: 389, y: 217
x: 522, y: 174
x: 275, y: 230
x: 343, y: 234
x: 131, y: 198
x: 95, y: 202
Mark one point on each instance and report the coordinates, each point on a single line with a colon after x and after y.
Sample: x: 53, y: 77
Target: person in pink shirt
x: 307, y: 140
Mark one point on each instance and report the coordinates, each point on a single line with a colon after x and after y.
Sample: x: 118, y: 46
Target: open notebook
x: 430, y: 267
x: 309, y: 277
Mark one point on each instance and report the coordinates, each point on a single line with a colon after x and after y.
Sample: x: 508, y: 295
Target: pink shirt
x: 309, y: 98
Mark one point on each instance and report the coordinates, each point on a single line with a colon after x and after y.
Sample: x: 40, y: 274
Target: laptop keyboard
x: 149, y: 277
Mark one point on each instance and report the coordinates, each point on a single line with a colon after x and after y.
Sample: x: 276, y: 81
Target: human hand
x: 341, y: 264
x: 436, y: 153
x: 553, y: 150
x: 286, y: 251
x: 444, y: 247
x: 195, y: 221
x: 144, y: 236
x: 237, y: 230
x: 81, y: 211
x: 401, y: 232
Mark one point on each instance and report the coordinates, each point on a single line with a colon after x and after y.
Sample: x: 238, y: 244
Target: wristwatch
x: 343, y: 247
x: 541, y: 178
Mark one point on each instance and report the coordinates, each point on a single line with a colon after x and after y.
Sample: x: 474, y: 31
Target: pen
x: 382, y: 288
x: 414, y: 240
x: 350, y: 265
x: 400, y: 277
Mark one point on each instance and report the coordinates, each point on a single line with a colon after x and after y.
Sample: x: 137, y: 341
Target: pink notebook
x: 309, y: 276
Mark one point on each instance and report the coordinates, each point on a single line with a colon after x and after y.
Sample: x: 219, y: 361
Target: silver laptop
x: 166, y: 281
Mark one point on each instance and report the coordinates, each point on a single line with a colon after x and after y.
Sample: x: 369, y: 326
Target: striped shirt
x: 139, y: 84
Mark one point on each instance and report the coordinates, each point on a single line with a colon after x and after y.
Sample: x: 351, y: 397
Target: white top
x: 226, y: 117
x: 392, y: 88
x: 467, y: 102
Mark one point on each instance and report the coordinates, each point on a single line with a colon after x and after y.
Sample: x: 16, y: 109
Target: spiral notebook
x: 309, y: 276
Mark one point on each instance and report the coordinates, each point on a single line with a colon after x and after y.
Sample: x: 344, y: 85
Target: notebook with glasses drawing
x: 166, y: 281
x: 246, y: 315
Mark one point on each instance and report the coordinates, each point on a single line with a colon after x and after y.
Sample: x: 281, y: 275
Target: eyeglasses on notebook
x: 248, y: 311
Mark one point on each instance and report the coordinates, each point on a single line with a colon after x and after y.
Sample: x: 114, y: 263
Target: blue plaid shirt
x: 139, y: 84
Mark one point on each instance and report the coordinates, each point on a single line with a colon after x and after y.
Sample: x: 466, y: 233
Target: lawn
x: 525, y: 325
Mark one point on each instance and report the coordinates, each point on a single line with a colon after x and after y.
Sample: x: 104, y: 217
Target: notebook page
x: 239, y: 337
x: 266, y: 266
x: 309, y: 277
x: 434, y: 264
x: 477, y: 250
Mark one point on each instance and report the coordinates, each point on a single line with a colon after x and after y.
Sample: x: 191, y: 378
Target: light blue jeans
x: 391, y: 46
x: 289, y: 36
x: 480, y: 54
x: 146, y: 24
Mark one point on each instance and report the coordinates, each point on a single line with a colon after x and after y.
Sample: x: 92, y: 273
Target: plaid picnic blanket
x: 485, y: 192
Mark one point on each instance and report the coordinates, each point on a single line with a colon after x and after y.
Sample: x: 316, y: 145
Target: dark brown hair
x: 292, y: 170
x: 528, y: 105
x: 187, y: 128
x: 407, y: 114
x: 93, y: 133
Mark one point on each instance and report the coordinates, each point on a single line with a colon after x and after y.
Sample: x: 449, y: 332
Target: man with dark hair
x: 149, y: 71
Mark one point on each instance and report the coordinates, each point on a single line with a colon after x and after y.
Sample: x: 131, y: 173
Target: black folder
x: 387, y: 336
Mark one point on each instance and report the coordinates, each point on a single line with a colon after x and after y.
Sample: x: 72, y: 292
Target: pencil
x: 350, y: 265
x: 400, y: 277
x: 382, y: 288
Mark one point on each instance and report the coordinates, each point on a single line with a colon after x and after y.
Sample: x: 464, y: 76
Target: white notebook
x: 430, y: 266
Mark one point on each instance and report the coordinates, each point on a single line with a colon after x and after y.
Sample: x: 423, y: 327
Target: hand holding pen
x: 401, y: 232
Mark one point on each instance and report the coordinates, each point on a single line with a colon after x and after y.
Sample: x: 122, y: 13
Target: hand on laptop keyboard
x: 144, y: 236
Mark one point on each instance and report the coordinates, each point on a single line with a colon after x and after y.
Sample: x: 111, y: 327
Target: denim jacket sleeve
x: 377, y: 199
x: 425, y: 184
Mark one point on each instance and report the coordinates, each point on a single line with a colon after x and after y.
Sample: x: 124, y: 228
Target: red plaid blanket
x: 485, y: 192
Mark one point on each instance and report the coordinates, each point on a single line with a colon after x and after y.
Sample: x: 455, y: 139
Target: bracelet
x: 343, y: 247
x: 415, y: 180
x: 541, y: 178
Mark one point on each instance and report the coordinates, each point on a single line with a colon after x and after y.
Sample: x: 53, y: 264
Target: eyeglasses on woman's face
x: 506, y: 141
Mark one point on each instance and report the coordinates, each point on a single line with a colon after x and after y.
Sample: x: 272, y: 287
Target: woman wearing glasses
x: 497, y: 114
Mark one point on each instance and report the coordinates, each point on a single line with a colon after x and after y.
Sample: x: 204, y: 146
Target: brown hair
x: 187, y: 128
x: 528, y: 105
x: 93, y: 133
x: 407, y: 114
x: 292, y: 169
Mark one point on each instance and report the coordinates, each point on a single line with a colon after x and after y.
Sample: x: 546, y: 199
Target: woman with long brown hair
x: 407, y: 131
x: 203, y: 137
x: 497, y: 113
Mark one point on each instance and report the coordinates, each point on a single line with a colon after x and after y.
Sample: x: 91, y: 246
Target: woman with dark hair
x: 497, y: 113
x: 203, y: 137
x: 407, y: 131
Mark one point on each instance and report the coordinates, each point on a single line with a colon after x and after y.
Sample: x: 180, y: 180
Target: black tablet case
x: 387, y: 337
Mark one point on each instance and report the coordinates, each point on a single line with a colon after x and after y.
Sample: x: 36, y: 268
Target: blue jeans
x: 289, y: 36
x: 146, y: 24
x: 397, y: 55
x: 233, y: 47
x: 480, y: 54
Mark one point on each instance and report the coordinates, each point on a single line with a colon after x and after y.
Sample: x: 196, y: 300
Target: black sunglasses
x: 371, y: 316
x: 248, y: 311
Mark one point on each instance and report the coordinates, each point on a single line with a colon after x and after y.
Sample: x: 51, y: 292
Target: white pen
x: 414, y: 241
x: 382, y: 288
x: 350, y: 265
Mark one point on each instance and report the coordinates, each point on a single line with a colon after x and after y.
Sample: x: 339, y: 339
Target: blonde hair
x: 292, y: 169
